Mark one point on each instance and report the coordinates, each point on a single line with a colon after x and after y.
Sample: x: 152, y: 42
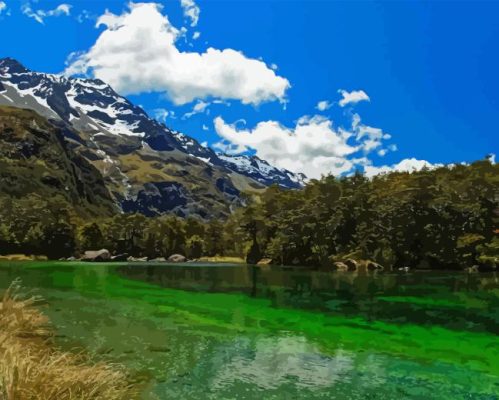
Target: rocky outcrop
x: 96, y: 255
x: 35, y: 159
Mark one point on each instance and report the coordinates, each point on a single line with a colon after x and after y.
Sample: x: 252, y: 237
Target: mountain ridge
x: 147, y: 166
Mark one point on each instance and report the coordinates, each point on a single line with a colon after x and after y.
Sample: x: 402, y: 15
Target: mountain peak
x: 262, y: 171
x: 146, y: 166
x: 12, y: 65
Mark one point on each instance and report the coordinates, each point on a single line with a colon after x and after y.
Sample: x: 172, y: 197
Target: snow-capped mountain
x: 261, y: 171
x: 147, y: 166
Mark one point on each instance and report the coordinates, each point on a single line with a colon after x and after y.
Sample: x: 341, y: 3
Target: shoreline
x: 32, y: 364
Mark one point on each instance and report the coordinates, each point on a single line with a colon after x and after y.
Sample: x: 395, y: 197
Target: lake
x: 223, y: 331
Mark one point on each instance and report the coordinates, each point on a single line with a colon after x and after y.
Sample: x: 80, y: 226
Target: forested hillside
x: 443, y: 218
x: 440, y: 219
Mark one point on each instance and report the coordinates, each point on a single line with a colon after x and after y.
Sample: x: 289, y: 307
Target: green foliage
x: 91, y: 237
x: 194, y: 247
x: 444, y: 218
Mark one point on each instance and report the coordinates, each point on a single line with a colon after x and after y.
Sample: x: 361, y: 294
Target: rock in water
x: 177, y: 258
x: 352, y: 264
x: 373, y: 266
x: 96, y: 255
x: 136, y: 259
x: 159, y: 259
x: 339, y: 266
x: 120, y: 257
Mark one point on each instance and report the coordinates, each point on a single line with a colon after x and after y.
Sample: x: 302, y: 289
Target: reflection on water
x: 452, y: 299
x: 272, y: 362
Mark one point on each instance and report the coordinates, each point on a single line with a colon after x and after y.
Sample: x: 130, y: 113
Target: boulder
x: 404, y: 269
x: 120, y: 257
x: 96, y: 255
x: 71, y: 258
x: 136, y: 259
x: 177, y: 258
x: 473, y: 269
x: 351, y: 264
x: 373, y: 266
x: 340, y: 266
x: 264, y: 261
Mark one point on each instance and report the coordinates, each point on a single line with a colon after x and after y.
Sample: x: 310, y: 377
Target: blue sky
x: 429, y: 70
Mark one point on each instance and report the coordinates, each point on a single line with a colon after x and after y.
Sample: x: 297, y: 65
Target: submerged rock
x: 96, y: 255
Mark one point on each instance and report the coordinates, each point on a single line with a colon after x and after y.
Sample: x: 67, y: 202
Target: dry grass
x: 22, y: 257
x: 32, y: 369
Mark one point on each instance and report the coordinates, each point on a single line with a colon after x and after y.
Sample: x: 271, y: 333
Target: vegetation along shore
x: 444, y: 218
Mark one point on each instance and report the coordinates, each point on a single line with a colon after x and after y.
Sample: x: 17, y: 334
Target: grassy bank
x: 31, y: 367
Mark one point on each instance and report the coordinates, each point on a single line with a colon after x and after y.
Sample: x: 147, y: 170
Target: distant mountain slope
x: 261, y: 171
x: 146, y: 166
x: 35, y: 159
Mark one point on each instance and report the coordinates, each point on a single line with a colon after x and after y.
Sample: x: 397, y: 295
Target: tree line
x: 440, y: 218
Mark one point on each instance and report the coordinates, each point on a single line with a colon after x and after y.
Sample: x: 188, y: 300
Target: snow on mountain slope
x: 261, y: 171
x: 130, y: 148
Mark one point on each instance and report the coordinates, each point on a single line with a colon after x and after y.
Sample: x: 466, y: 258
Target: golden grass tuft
x: 31, y: 368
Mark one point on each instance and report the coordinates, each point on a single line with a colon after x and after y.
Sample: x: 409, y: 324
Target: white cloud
x: 161, y: 114
x: 406, y: 165
x: 85, y: 15
x: 40, y: 15
x: 196, y: 35
x: 200, y: 107
x: 369, y: 137
x: 205, y: 128
x: 352, y: 97
x: 314, y: 146
x: 323, y: 105
x: 137, y: 53
x: 191, y: 11
x: 3, y: 7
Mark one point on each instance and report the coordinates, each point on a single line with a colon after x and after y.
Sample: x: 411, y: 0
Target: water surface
x: 240, y: 332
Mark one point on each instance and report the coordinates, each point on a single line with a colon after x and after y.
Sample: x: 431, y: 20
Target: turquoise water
x: 237, y: 332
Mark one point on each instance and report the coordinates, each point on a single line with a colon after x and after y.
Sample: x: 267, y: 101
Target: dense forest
x: 441, y: 218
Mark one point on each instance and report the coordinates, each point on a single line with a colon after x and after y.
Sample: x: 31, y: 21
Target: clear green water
x: 236, y: 332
